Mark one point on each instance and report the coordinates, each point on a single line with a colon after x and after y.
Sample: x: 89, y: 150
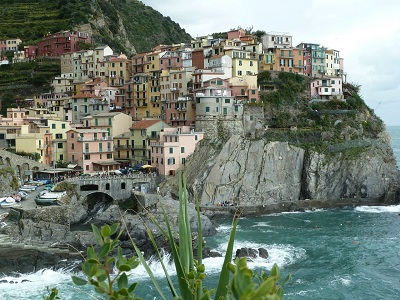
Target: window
x: 61, y: 157
x: 326, y: 89
x: 53, y: 126
x: 72, y: 146
x: 63, y: 125
x: 72, y: 135
x: 183, y: 160
x: 96, y: 122
x: 171, y: 150
x: 182, y: 149
x: 58, y: 135
x: 195, y: 137
x: 227, y: 100
x: 240, y: 62
x: 251, y: 63
x: 109, y: 121
x: 253, y: 92
x: 122, y: 185
x: 207, y: 109
x: 333, y: 81
x: 59, y: 145
x: 240, y: 73
x: 109, y: 156
x: 87, y: 156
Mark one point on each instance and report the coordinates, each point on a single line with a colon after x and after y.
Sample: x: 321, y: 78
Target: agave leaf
x: 199, y: 245
x: 181, y: 275
x: 169, y: 281
x: 223, y: 282
x: 147, y: 268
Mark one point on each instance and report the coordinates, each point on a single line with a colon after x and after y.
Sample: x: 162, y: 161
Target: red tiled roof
x: 144, y: 124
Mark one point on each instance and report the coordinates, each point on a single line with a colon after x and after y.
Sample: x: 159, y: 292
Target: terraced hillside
x: 127, y: 26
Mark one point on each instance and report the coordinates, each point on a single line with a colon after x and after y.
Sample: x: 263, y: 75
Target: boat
x: 9, y: 202
x: 49, y: 198
x: 28, y: 188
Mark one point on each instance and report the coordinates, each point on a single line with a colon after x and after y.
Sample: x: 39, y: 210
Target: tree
x: 7, y: 101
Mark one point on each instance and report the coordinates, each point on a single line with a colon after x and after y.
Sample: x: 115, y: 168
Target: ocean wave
x: 314, y: 210
x: 282, y: 255
x: 344, y: 280
x: 24, y: 286
x: 379, y: 209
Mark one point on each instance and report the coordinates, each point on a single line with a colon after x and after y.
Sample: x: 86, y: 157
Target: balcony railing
x: 86, y: 139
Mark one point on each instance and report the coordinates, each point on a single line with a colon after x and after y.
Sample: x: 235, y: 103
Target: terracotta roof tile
x: 144, y: 124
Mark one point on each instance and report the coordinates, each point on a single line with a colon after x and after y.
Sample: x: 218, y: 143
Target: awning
x: 106, y: 163
x: 147, y: 166
x: 72, y: 166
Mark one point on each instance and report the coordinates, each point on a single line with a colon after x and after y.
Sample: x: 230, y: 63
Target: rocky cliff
x: 258, y: 172
x: 291, y: 149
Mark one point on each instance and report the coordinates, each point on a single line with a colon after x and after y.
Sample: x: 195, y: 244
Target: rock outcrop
x: 41, y: 237
x: 256, y: 172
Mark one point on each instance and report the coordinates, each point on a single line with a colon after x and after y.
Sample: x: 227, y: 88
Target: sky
x: 366, y: 32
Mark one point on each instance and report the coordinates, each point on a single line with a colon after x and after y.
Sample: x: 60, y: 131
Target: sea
x: 348, y: 253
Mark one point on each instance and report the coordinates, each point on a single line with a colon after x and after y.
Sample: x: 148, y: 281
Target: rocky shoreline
x: 41, y: 237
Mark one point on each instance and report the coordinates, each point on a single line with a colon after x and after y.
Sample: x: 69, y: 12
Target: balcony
x: 122, y: 147
x: 153, y: 137
x: 181, y: 109
x: 93, y: 139
x: 174, y: 89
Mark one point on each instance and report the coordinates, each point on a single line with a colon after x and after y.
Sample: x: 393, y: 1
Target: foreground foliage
x: 106, y: 268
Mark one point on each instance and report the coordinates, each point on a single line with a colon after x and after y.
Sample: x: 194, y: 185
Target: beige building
x: 115, y: 123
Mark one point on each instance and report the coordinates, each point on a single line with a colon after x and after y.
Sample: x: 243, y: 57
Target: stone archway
x: 97, y: 201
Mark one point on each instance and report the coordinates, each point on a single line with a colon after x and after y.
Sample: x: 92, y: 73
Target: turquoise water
x: 351, y: 253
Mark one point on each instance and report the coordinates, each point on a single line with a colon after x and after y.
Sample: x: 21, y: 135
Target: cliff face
x: 258, y: 172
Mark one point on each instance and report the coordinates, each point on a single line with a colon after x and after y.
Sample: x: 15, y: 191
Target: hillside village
x: 107, y: 111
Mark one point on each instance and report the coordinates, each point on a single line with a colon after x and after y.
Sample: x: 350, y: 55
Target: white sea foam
x: 24, y: 286
x: 344, y: 280
x: 379, y: 209
x: 282, y: 255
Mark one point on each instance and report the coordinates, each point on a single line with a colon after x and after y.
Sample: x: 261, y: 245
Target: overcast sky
x: 366, y: 32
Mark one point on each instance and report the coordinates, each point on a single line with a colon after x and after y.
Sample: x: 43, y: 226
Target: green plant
x: 98, y: 266
x: 246, y: 285
x: 53, y: 294
x: 191, y: 272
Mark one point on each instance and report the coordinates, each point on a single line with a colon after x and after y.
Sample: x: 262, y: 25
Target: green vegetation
x: 328, y: 127
x: 100, y: 260
x: 26, y: 79
x: 30, y: 20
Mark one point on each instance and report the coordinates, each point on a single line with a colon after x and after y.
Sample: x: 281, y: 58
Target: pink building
x: 61, y: 42
x: 329, y: 88
x: 169, y: 154
x: 91, y: 149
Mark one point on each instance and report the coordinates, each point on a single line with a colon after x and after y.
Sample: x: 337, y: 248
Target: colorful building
x: 91, y: 149
x: 142, y: 134
x: 169, y: 154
